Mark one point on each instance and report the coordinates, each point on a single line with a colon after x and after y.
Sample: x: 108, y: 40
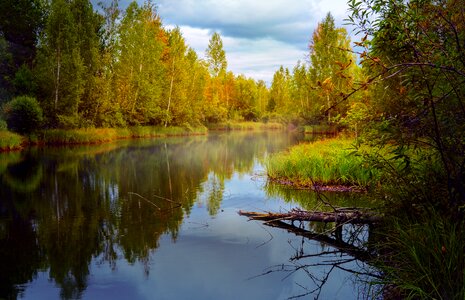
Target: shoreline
x: 11, y: 142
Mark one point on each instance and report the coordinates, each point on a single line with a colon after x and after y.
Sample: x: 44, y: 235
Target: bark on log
x: 352, y: 216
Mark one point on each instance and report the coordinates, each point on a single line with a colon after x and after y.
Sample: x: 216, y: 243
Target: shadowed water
x: 157, y: 219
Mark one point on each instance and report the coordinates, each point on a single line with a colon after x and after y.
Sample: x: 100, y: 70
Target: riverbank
x: 420, y: 247
x: 226, y: 126
x: 10, y: 141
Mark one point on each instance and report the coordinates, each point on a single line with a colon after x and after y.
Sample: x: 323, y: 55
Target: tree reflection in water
x: 62, y: 208
x: 346, y: 247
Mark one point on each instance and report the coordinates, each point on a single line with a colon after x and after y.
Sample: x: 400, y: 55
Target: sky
x: 258, y: 35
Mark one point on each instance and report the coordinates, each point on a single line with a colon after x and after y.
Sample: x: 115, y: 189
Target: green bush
x: 23, y: 114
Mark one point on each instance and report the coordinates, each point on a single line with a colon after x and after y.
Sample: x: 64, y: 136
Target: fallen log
x: 350, y: 216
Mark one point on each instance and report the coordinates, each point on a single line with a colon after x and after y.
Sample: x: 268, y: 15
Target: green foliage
x: 21, y: 23
x: 413, y: 55
x: 3, y: 125
x: 24, y: 81
x: 10, y: 140
x: 23, y: 114
x: 415, y: 49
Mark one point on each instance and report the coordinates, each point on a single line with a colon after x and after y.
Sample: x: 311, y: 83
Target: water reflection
x: 345, y: 247
x: 63, y: 208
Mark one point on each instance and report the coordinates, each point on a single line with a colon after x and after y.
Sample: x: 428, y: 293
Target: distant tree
x: 216, y: 56
x: 246, y: 94
x: 280, y: 101
x: 198, y: 77
x: 331, y: 63
x: 301, y: 90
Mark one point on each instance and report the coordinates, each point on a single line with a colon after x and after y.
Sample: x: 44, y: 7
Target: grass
x: 320, y: 129
x: 326, y: 162
x: 424, y: 259
x: 103, y: 135
x: 10, y: 140
x: 246, y: 126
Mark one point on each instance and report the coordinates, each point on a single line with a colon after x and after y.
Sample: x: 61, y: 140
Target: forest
x: 398, y: 94
x: 93, y: 67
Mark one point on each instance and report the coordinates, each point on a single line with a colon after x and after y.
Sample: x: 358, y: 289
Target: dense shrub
x: 23, y: 114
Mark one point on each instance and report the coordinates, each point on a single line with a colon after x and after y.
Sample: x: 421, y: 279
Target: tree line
x: 108, y: 67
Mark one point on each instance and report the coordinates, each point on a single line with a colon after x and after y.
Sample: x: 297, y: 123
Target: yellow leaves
x: 327, y: 84
x: 327, y: 81
x: 343, y: 66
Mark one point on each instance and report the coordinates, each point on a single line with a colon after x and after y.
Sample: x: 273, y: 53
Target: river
x: 157, y: 219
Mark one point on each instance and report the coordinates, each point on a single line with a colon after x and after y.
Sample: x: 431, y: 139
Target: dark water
x: 157, y: 219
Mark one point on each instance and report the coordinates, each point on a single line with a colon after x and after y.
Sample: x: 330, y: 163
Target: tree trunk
x: 171, y: 92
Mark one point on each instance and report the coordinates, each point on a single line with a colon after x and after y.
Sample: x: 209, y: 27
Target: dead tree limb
x: 346, y: 216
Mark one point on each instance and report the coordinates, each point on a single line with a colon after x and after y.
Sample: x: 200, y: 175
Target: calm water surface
x: 157, y: 219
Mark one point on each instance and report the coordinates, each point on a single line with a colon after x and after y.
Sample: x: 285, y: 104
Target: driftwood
x: 347, y: 216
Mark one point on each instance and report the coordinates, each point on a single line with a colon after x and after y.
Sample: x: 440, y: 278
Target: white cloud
x: 258, y: 36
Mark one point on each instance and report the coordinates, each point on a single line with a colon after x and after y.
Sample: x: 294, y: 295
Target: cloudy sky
x: 258, y: 35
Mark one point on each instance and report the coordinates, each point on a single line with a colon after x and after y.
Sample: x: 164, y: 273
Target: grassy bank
x: 246, y: 126
x: 103, y: 135
x: 320, y: 129
x: 10, y: 140
x: 326, y: 162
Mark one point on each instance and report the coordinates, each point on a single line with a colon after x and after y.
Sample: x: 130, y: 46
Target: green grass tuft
x: 327, y: 162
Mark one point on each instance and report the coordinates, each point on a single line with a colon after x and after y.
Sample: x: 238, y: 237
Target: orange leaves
x: 343, y: 66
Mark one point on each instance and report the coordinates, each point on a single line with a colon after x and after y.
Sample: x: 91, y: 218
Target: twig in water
x: 132, y: 193
x: 266, y: 242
